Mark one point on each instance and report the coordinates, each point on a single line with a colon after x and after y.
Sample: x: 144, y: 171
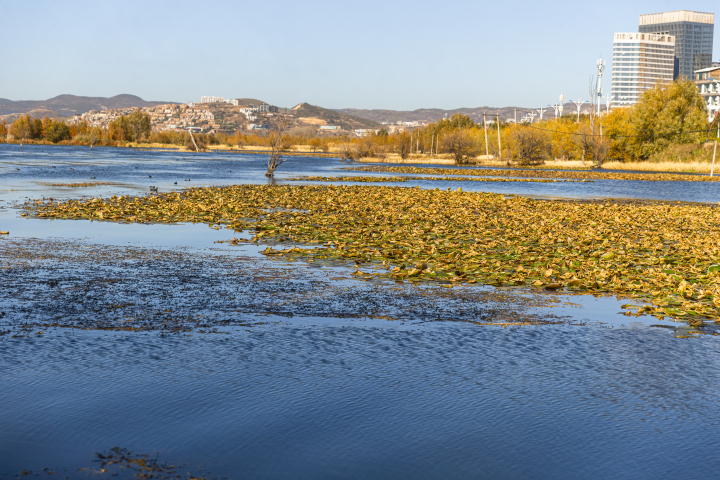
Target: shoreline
x: 688, y: 168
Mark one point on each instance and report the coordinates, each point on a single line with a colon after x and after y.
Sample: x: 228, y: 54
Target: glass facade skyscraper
x: 640, y: 61
x: 693, y: 32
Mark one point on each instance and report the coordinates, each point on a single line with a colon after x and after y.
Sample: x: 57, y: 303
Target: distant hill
x: 69, y: 105
x: 428, y: 115
x: 312, y: 114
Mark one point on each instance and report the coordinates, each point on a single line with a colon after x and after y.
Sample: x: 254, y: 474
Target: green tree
x: 457, y: 122
x: 138, y: 123
x: 37, y: 128
x: 57, y: 131
x: 668, y: 114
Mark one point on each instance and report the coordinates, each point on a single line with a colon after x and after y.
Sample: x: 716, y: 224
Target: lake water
x: 295, y: 370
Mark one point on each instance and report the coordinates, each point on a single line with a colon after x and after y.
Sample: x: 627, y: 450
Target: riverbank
x: 696, y: 167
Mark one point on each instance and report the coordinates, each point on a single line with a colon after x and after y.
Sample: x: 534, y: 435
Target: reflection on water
x: 305, y: 378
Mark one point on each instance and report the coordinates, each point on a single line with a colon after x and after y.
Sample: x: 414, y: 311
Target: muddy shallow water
x: 156, y: 339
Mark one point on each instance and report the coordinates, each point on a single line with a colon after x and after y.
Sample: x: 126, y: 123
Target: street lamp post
x: 579, y: 105
x: 607, y: 102
x: 555, y: 107
x: 542, y: 111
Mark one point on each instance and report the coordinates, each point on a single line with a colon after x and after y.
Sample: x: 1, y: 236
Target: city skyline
x: 403, y: 56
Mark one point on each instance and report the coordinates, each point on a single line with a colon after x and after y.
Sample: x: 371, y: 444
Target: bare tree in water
x: 93, y: 136
x: 279, y: 143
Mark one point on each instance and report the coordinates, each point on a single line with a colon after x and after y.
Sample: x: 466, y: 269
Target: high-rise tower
x: 693, y: 32
x: 640, y: 61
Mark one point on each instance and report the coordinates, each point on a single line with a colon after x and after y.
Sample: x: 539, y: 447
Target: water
x: 163, y: 168
x: 313, y: 374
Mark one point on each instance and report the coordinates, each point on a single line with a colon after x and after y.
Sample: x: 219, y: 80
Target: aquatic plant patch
x: 522, y: 173
x: 666, y: 254
x: 371, y: 179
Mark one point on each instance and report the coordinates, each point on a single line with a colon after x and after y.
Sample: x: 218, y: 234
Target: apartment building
x: 708, y: 83
x: 640, y: 61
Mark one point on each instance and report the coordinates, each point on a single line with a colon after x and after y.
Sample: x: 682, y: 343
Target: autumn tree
x: 22, y: 128
x: 3, y: 129
x: 402, y: 144
x: 461, y: 144
x: 93, y: 135
x: 315, y: 143
x: 530, y: 145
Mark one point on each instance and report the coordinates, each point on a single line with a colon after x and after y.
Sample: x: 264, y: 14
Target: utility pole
x: 516, y: 115
x: 499, y: 144
x: 717, y: 119
x: 601, y: 67
x: 487, y: 152
x: 562, y: 98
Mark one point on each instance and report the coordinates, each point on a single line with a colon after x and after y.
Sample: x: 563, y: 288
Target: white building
x: 212, y: 100
x: 640, y: 61
x: 708, y: 82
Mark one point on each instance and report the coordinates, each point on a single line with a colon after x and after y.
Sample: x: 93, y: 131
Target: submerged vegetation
x: 663, y: 253
x: 363, y: 179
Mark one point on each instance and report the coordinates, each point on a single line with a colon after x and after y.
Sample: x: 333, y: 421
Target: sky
x: 397, y: 55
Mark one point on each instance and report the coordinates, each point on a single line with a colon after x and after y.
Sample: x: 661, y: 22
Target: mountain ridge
x: 67, y: 105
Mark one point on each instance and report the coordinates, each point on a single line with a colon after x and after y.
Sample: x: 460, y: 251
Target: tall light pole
x: 579, y: 105
x: 562, y: 98
x: 601, y: 67
x: 607, y: 102
x: 555, y: 107
x: 532, y: 116
x: 542, y: 111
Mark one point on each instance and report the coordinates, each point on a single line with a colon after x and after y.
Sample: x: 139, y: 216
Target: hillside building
x: 640, y: 61
x: 693, y: 32
x: 212, y: 100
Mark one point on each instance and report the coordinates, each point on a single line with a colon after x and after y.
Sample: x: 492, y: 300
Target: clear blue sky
x: 362, y: 54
